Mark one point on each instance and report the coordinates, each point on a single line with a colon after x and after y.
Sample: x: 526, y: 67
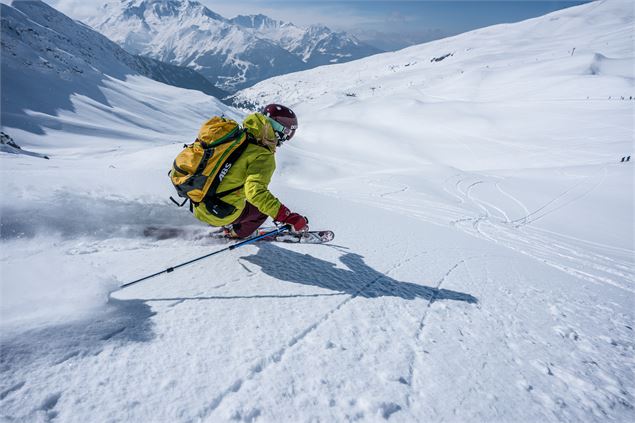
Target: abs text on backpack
x: 201, y: 166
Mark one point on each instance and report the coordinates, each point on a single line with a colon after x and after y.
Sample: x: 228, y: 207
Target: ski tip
x: 327, y: 236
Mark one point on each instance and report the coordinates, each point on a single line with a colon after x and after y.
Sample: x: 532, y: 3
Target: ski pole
x: 231, y: 247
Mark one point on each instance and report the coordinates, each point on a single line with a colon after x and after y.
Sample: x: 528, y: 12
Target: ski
x: 308, y: 237
x: 160, y: 233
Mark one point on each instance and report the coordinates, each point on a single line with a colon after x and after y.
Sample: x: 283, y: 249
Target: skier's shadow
x: 360, y: 280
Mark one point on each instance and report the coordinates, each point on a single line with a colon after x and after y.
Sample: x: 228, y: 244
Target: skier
x: 252, y: 171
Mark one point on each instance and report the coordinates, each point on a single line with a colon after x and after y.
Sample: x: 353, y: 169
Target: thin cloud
x: 337, y: 16
x: 76, y: 9
x: 398, y: 17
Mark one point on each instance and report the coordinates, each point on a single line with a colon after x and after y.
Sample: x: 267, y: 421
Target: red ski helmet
x: 283, y: 120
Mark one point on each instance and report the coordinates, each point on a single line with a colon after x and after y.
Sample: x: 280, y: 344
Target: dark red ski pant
x: 249, y: 220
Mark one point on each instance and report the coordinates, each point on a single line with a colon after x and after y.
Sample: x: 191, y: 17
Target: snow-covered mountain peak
x: 159, y: 8
x: 163, y: 9
x: 259, y: 22
x: 318, y: 29
x: 156, y: 12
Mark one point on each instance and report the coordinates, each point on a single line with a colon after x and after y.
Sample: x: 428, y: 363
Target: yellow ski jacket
x: 253, y: 169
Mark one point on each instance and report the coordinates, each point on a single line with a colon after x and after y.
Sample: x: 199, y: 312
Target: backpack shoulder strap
x: 229, y: 191
x: 228, y: 163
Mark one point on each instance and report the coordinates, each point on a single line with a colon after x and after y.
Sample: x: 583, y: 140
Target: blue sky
x: 393, y: 24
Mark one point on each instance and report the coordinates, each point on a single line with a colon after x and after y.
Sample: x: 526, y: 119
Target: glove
x: 298, y: 222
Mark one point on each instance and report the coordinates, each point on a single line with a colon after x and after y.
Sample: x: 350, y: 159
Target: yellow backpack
x: 200, y: 167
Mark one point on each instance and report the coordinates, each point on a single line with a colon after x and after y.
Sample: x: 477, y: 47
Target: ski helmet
x: 283, y: 120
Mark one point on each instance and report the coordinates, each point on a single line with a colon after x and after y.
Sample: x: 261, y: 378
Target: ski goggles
x: 282, y: 132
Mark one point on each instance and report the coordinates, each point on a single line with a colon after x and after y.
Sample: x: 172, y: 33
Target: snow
x: 483, y: 267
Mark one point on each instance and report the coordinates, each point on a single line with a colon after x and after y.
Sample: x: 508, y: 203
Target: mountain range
x: 232, y: 53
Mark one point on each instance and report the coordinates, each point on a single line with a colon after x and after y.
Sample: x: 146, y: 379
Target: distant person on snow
x: 266, y: 130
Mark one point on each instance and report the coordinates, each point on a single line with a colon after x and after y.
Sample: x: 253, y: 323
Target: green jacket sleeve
x: 259, y: 173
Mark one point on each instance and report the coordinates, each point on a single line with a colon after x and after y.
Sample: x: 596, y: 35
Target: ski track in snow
x: 492, y: 222
x: 418, y: 350
x: 598, y: 267
x: 278, y: 355
x: 590, y: 261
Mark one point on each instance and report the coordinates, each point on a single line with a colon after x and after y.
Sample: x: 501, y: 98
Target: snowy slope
x: 546, y: 94
x: 233, y: 53
x: 72, y: 38
x: 483, y: 267
x: 500, y: 78
x: 58, y: 74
